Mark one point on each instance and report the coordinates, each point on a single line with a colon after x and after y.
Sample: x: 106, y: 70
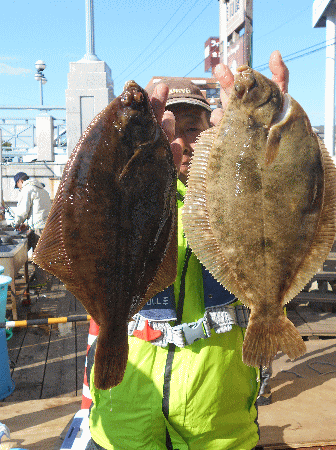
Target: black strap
x: 171, y: 348
x: 90, y: 359
x: 180, y: 305
x: 169, y: 443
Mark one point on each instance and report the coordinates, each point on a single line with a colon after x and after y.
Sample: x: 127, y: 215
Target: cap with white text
x: 181, y: 90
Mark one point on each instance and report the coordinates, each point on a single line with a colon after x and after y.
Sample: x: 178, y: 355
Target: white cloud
x: 8, y: 58
x: 9, y: 70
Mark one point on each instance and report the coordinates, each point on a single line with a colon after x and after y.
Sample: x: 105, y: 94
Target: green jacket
x: 209, y: 401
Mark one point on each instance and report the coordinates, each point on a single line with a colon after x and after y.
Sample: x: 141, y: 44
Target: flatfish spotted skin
x: 111, y: 233
x: 260, y: 209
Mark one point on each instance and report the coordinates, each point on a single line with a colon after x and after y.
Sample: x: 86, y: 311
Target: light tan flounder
x: 260, y: 209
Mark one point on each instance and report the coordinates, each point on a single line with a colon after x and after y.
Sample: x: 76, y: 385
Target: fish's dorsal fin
x: 50, y: 253
x: 325, y: 233
x: 195, y: 217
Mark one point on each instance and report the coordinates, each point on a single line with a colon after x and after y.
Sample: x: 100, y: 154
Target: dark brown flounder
x: 260, y: 208
x: 111, y: 233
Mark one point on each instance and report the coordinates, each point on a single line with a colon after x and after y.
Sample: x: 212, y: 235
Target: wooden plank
x: 38, y: 424
x: 321, y: 324
x: 60, y: 375
x: 303, y: 328
x: 66, y: 360
x: 329, y: 297
x: 303, y: 408
x: 29, y: 368
x: 82, y: 332
x: 14, y: 344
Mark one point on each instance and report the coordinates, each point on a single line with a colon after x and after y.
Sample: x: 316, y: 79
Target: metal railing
x: 19, y: 138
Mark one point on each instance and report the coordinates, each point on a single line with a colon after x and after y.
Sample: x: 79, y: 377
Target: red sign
x: 211, y: 53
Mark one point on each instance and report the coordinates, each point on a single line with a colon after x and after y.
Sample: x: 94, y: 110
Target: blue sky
x: 140, y: 39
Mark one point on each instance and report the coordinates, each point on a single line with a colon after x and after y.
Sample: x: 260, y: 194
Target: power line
x: 194, y: 68
x: 151, y: 42
x: 175, y: 39
x: 163, y: 41
x: 292, y: 56
x: 282, y: 25
x: 287, y: 58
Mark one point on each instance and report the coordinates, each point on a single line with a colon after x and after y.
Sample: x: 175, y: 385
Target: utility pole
x: 324, y: 15
x: 90, y: 40
x: 329, y: 111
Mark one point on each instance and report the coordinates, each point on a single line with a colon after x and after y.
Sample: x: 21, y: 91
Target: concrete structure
x: 90, y: 90
x: 90, y: 87
x: 324, y: 15
x: 45, y: 138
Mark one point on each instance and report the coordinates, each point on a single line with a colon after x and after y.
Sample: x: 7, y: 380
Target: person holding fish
x: 185, y: 387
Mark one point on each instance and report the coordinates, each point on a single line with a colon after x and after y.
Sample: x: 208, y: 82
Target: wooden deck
x: 48, y: 361
x: 48, y: 368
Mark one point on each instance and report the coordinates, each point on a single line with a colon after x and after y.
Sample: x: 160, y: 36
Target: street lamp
x: 39, y: 76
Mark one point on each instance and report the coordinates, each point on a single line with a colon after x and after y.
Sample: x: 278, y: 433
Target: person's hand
x: 166, y: 119
x: 280, y: 72
x: 280, y: 75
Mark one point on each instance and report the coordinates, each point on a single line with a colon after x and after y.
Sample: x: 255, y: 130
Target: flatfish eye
x: 240, y: 89
x: 138, y: 97
x: 126, y: 98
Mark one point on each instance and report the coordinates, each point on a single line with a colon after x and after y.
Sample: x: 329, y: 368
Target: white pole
x: 1, y: 194
x: 223, y: 30
x: 90, y: 38
x: 90, y: 43
x: 329, y: 119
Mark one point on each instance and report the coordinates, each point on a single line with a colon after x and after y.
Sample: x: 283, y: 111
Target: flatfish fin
x: 325, y: 234
x: 51, y: 254
x: 195, y: 218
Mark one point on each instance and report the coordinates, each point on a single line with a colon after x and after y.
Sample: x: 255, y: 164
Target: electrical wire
x: 161, y: 54
x: 194, y: 68
x: 151, y: 42
x: 292, y: 57
x: 287, y: 58
x: 282, y: 25
x: 162, y: 42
